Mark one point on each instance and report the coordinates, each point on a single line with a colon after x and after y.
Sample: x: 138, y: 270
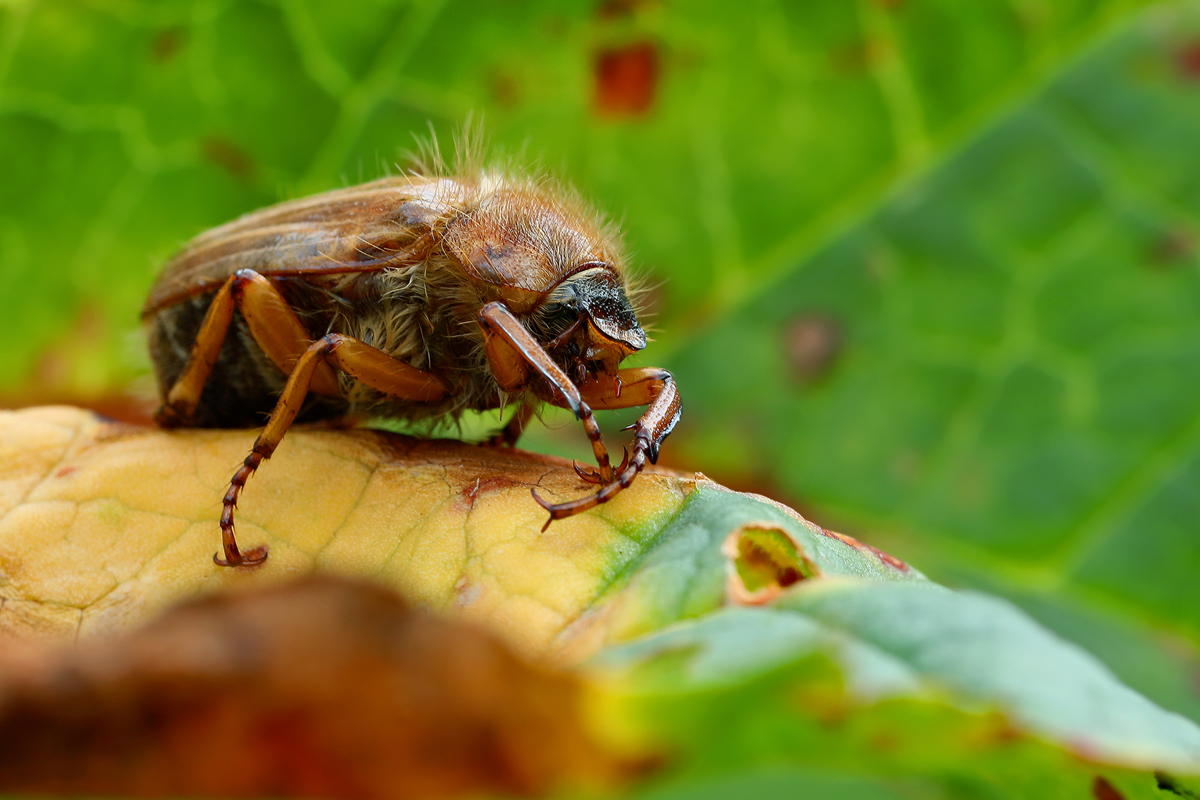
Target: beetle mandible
x: 417, y: 297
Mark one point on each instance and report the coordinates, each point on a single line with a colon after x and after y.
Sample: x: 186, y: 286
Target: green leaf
x: 953, y: 681
x: 1011, y: 401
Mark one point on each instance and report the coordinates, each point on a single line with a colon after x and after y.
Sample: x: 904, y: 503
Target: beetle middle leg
x: 272, y: 323
x: 368, y: 364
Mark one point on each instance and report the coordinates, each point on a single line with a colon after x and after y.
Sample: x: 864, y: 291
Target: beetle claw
x: 251, y: 558
x: 587, y: 475
x: 624, y: 461
x: 544, y: 504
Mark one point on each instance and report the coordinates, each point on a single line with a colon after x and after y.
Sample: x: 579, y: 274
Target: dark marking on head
x: 626, y: 80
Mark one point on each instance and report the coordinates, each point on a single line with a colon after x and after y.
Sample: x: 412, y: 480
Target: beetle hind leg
x: 357, y: 359
x: 233, y: 556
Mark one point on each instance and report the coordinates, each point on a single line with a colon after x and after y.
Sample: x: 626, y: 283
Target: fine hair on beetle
x: 449, y: 288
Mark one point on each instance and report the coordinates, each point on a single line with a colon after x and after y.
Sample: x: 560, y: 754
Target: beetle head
x: 595, y: 295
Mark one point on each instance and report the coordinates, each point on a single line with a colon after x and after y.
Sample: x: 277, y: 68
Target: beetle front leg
x: 357, y: 359
x: 512, y: 352
x: 654, y: 388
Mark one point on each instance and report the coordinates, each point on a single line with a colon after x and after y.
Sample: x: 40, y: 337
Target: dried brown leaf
x: 320, y: 688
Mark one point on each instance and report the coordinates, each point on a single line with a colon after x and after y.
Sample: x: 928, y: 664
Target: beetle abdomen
x: 244, y: 385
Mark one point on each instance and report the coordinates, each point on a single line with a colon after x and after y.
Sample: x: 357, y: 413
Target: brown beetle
x: 414, y: 297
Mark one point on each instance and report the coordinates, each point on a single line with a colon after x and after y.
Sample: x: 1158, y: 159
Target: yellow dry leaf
x: 104, y: 525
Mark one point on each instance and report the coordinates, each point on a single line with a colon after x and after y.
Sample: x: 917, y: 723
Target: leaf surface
x: 690, y: 610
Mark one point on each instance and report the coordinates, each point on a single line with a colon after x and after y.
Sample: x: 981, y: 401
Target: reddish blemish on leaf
x: 811, y: 344
x: 165, y: 45
x: 1187, y: 61
x: 626, y: 80
x: 1103, y: 790
x: 504, y: 89
x: 859, y: 56
x: 617, y: 9
x: 482, y: 486
x: 886, y: 558
x: 1177, y: 246
x: 229, y: 157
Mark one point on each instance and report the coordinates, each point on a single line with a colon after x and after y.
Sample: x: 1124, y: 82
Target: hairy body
x: 415, y: 297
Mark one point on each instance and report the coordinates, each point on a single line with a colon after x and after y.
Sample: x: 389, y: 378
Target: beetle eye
x: 559, y: 314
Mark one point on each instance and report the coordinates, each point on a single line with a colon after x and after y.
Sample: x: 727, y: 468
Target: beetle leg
x: 357, y: 359
x: 511, y: 432
x: 654, y: 388
x: 512, y: 351
x: 272, y: 323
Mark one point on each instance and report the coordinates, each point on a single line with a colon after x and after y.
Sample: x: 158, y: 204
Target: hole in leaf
x: 766, y: 560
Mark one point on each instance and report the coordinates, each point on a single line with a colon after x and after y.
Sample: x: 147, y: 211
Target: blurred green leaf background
x: 925, y: 269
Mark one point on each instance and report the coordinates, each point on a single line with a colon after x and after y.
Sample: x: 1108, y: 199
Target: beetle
x: 417, y: 296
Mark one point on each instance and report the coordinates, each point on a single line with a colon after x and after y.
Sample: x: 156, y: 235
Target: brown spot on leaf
x: 811, y: 344
x: 1176, y: 246
x: 620, y: 9
x: 1187, y: 61
x: 886, y: 558
x: 504, y: 89
x: 228, y: 156
x: 764, y: 560
x: 482, y: 486
x: 322, y: 688
x: 889, y: 559
x: 166, y: 45
x: 626, y: 80
x: 65, y: 471
x: 1103, y: 790
x: 859, y: 56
